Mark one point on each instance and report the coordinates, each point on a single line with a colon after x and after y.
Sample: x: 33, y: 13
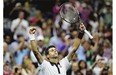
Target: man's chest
x: 55, y: 70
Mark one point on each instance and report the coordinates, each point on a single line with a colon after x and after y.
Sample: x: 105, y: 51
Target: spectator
x: 94, y: 22
x: 19, y: 49
x: 50, y: 27
x: 32, y: 22
x: 98, y: 65
x: 60, y: 44
x: 107, y: 49
x: 16, y: 9
x: 89, y: 72
x: 46, y: 29
x: 17, y: 70
x: 39, y: 18
x: 73, y: 69
x: 27, y: 67
x: 104, y: 71
x: 7, y: 70
x: 85, y: 12
x: 78, y: 72
x: 7, y: 56
x: 76, y: 4
x: 110, y: 72
x: 55, y: 9
x: 7, y: 38
x: 19, y: 26
x: 81, y: 52
x: 82, y: 66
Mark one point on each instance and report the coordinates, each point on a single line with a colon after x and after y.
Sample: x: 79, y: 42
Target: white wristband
x: 31, y: 36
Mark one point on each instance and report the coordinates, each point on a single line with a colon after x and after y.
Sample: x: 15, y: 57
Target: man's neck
x: 54, y: 60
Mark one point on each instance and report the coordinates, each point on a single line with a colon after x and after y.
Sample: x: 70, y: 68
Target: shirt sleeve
x: 13, y: 25
x: 44, y: 64
x: 26, y: 24
x: 66, y: 63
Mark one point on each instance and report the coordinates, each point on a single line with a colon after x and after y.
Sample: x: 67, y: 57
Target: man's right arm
x: 34, y: 46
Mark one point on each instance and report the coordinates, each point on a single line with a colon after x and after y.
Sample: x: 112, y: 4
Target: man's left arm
x: 77, y: 42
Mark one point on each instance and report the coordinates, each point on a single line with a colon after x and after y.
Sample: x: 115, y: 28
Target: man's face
x: 100, y: 64
x: 74, y: 66
x: 8, y: 39
x: 5, y: 48
x: 40, y: 43
x: 21, y: 15
x: 52, y: 53
x: 6, y: 68
x: 82, y: 64
x: 21, y: 39
x: 63, y: 36
x: 87, y: 46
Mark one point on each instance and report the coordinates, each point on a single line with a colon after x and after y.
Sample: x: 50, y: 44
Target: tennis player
x: 53, y: 66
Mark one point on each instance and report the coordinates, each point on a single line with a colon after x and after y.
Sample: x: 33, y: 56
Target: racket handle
x: 90, y: 36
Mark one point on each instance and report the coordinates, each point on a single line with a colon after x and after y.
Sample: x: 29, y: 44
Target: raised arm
x: 34, y: 46
x: 77, y: 41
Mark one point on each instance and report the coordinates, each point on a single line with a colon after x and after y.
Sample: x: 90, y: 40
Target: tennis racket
x: 71, y: 15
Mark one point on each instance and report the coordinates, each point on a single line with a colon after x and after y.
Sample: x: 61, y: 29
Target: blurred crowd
x: 93, y: 57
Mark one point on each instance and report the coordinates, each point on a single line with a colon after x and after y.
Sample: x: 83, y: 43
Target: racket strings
x: 69, y: 14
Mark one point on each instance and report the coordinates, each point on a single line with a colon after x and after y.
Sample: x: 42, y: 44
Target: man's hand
x: 82, y: 27
x: 32, y: 30
x: 22, y: 39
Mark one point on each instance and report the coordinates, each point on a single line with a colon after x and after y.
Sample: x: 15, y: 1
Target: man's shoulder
x: 63, y: 59
x: 15, y: 20
x: 45, y: 62
x: 14, y: 43
x: 25, y: 20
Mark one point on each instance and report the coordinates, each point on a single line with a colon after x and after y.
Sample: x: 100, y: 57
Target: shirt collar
x: 54, y: 63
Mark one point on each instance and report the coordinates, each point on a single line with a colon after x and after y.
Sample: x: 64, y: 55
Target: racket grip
x: 90, y: 36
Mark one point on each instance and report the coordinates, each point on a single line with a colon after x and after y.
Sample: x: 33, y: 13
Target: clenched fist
x: 82, y: 27
x: 32, y: 30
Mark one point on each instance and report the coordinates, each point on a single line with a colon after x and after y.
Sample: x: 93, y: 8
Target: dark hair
x: 78, y: 72
x: 6, y: 64
x: 80, y: 63
x: 16, y: 69
x: 89, y: 72
x: 19, y: 35
x: 104, y: 71
x: 46, y: 51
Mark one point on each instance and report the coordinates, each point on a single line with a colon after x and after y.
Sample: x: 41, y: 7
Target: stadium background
x: 96, y: 14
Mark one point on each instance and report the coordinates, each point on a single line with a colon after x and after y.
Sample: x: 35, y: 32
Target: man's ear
x: 47, y: 56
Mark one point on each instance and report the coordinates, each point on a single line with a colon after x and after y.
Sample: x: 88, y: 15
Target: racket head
x: 69, y: 13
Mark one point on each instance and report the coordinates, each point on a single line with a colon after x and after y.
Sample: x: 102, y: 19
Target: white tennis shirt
x: 48, y: 69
